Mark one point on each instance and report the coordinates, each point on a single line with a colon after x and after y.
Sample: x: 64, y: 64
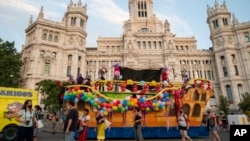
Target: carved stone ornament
x: 230, y: 40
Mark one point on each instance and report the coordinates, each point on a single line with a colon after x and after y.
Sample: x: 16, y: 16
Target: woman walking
x: 183, y: 125
x: 38, y: 109
x: 100, y: 120
x: 26, y: 121
x: 137, y: 125
x: 53, y: 122
x: 83, y: 129
x: 212, y: 124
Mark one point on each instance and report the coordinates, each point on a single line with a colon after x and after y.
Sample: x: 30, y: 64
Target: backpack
x: 211, y: 122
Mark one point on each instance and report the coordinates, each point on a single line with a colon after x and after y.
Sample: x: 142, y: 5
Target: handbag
x: 107, y: 124
x: 40, y: 124
x: 136, y: 125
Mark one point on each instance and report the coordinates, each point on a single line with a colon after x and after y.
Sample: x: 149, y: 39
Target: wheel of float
x: 10, y: 133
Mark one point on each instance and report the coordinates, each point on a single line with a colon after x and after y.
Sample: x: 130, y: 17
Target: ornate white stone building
x: 54, y: 50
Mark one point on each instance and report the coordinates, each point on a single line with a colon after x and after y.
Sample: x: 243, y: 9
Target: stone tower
x: 54, y: 50
x: 228, y: 53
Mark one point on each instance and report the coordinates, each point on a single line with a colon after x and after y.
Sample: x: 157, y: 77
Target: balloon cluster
x: 107, y: 105
x: 117, y: 72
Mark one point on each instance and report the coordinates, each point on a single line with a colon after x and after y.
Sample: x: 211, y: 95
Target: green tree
x: 223, y: 104
x: 51, y: 91
x: 244, y: 105
x: 10, y: 64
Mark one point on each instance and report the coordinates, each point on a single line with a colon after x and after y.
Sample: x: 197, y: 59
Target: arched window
x: 196, y: 110
x: 144, y: 30
x: 186, y: 108
x: 42, y: 52
x: 50, y: 38
x: 203, y: 96
x: 56, y: 39
x: 240, y: 91
x: 69, y: 57
x: 196, y: 95
x: 44, y: 36
x: 149, y: 44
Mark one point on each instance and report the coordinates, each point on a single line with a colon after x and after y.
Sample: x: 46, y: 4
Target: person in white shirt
x: 183, y: 125
x: 83, y: 127
x: 27, y: 119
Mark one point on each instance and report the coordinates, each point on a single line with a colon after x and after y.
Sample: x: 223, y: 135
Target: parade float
x: 159, y: 100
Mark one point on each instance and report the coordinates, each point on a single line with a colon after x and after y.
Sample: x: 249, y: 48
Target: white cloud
x: 179, y: 26
x: 107, y: 9
x: 20, y: 5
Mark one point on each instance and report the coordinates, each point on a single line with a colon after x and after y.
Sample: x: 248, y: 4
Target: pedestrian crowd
x: 75, y: 126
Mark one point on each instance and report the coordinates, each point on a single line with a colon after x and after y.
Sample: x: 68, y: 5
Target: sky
x: 105, y: 17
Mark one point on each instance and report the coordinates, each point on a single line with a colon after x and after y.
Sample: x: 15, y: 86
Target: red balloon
x: 77, y: 88
x: 118, y: 102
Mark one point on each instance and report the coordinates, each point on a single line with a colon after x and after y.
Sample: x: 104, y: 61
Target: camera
x: 27, y: 122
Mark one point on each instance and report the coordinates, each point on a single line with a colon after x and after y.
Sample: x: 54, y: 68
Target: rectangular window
x: 225, y: 71
x: 208, y: 75
x: 205, y: 73
x: 236, y: 70
x: 224, y: 21
x: 215, y: 22
x: 247, y: 37
x: 46, y: 68
x: 81, y: 23
x: 229, y: 94
x: 240, y: 91
x: 78, y: 71
x: 68, y: 70
x: 155, y: 46
x: 212, y: 73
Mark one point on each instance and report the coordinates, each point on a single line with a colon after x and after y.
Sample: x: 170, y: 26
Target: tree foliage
x: 223, y: 104
x: 10, y: 64
x: 244, y: 105
x: 51, y: 91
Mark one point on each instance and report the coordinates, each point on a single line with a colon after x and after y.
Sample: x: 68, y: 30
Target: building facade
x: 55, y: 50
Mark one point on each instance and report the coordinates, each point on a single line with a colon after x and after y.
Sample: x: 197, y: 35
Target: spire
x: 235, y: 20
x: 41, y: 14
x: 224, y: 4
x: 31, y: 19
x: 71, y: 3
x: 216, y: 4
x: 79, y: 3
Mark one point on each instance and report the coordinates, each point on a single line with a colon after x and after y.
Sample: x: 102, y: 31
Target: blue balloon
x: 160, y: 106
x: 142, y: 83
x: 142, y: 100
x: 76, y: 100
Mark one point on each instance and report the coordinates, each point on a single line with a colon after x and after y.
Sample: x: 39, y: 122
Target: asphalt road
x: 46, y: 135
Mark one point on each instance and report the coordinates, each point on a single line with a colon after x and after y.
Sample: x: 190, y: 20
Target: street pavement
x: 46, y: 135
